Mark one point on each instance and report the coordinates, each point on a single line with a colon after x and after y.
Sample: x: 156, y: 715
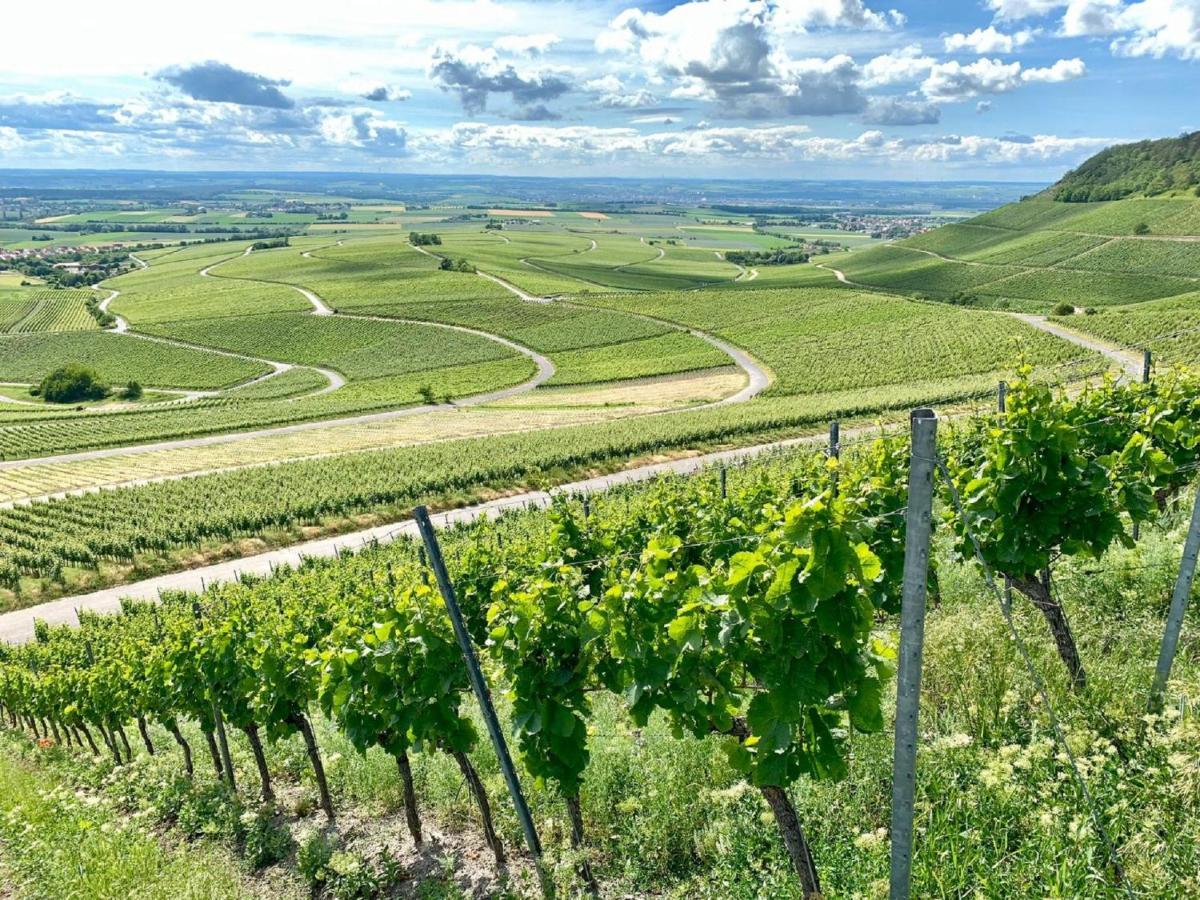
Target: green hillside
x: 1033, y: 255
x: 1144, y: 169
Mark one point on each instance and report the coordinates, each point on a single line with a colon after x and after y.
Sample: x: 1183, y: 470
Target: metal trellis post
x: 912, y: 640
x: 482, y: 694
x: 1183, y: 589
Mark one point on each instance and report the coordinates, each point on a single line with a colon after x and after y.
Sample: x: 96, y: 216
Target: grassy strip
x: 56, y: 843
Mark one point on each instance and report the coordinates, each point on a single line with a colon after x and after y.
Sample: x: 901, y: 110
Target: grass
x: 57, y: 843
x: 120, y: 358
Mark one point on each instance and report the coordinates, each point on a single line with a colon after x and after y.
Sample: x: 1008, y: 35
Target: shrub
x: 1063, y: 309
x: 1089, y: 310
x: 132, y: 391
x: 71, y: 384
x: 427, y: 395
x: 1141, y: 228
x: 265, y: 840
x: 313, y: 856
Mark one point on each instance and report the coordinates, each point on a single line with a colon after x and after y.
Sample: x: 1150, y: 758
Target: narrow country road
x: 17, y: 626
x: 545, y: 371
x: 1130, y: 363
x: 758, y: 378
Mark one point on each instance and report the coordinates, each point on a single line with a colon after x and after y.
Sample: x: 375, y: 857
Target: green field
x: 1038, y: 253
x: 830, y: 340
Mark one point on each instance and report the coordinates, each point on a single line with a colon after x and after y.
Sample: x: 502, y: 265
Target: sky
x: 1017, y: 90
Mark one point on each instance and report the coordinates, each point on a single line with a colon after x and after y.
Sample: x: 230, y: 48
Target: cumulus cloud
x: 953, y: 81
x: 1155, y: 28
x: 387, y: 93
x: 1159, y: 28
x: 484, y: 144
x: 732, y: 52
x: 1063, y: 70
x: 526, y: 44
x: 160, y: 126
x: 473, y: 73
x: 220, y: 83
x: 901, y: 111
x: 805, y: 15
x: 908, y: 64
x: 988, y: 40
x: 1024, y: 9
x: 1090, y: 18
x: 983, y: 106
x: 640, y: 99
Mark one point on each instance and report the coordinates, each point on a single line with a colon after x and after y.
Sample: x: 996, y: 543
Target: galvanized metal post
x: 724, y: 491
x: 835, y: 450
x: 1002, y: 407
x: 912, y: 641
x: 1183, y: 589
x: 1147, y: 364
x: 482, y: 694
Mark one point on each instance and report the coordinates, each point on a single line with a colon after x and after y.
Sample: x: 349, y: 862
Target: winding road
x: 1128, y: 362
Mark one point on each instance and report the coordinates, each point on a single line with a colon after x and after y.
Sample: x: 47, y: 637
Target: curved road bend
x: 1129, y: 363
x: 17, y: 626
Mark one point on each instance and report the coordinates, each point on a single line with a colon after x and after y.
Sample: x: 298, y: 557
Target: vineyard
x: 140, y: 523
x: 742, y: 621
x: 1035, y: 254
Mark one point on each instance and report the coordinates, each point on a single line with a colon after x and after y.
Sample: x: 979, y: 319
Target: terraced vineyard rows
x: 1036, y: 254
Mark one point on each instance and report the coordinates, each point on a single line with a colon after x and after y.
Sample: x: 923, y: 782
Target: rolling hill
x: 1042, y: 252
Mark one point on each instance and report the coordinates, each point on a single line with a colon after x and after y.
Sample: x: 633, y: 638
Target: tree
x: 132, y: 391
x: 72, y: 383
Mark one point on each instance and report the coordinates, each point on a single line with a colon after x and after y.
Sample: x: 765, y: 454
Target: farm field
x: 828, y: 340
x: 535, y: 412
x: 1033, y: 255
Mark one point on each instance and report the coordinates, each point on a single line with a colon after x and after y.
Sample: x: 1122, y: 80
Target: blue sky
x: 979, y: 89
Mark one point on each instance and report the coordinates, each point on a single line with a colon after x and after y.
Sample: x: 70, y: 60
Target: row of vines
x: 758, y: 613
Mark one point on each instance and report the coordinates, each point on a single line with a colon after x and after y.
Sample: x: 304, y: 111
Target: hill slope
x: 1144, y: 169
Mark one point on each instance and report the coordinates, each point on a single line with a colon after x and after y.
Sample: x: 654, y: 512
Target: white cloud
x: 988, y: 40
x: 1155, y: 28
x: 804, y: 15
x: 1089, y: 18
x: 607, y: 84
x: 1024, y: 9
x: 907, y: 64
x: 951, y: 81
x: 1063, y: 70
x: 633, y: 100
x: 526, y: 44
x: 484, y: 144
x: 1158, y: 28
x: 733, y: 53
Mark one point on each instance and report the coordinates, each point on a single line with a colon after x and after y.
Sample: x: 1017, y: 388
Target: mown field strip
x: 39, y: 480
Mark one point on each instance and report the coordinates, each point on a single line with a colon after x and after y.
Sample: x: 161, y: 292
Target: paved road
x: 545, y: 371
x: 1129, y: 363
x: 16, y: 627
